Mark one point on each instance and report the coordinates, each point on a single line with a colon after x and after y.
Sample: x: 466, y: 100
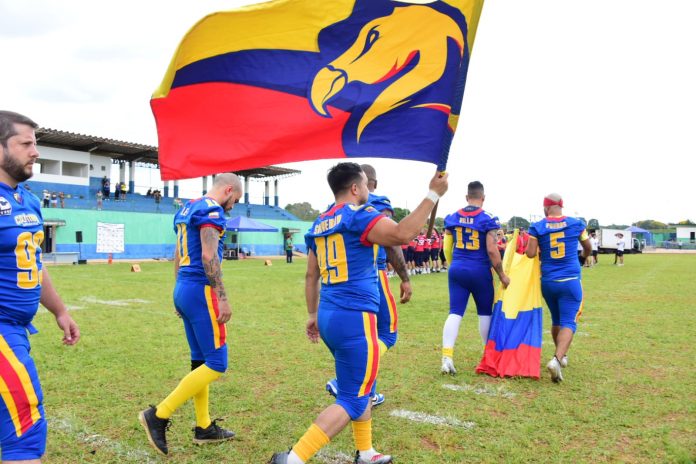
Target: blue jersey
x: 381, y: 204
x: 346, y: 259
x: 558, y: 240
x: 469, y: 227
x: 188, y: 222
x: 21, y: 236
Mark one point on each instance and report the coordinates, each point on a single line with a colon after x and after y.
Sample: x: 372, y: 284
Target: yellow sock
x: 311, y: 442
x: 200, y: 404
x: 382, y: 348
x: 189, y: 386
x: 362, y: 434
x: 449, y: 352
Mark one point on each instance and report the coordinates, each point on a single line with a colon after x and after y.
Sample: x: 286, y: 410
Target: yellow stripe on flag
x: 279, y: 24
x: 524, y: 291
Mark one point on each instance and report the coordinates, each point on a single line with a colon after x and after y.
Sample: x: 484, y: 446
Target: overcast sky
x: 595, y: 100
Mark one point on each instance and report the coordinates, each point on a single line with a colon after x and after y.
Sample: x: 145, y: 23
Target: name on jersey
x: 327, y: 224
x: 27, y: 220
x: 5, y: 207
x: 556, y: 225
x: 466, y: 220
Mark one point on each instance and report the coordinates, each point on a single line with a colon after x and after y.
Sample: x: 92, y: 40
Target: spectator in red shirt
x: 522, y: 241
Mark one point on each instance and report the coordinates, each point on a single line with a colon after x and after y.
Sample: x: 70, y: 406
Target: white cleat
x: 564, y: 361
x: 554, y: 367
x: 376, y: 459
x: 448, y: 366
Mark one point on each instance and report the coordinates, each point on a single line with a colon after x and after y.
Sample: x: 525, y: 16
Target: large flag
x: 296, y: 80
x: 514, y: 339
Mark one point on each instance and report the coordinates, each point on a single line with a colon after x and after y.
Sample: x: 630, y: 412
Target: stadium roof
x: 128, y: 151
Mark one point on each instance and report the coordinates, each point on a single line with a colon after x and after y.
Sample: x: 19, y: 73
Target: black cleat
x: 155, y: 428
x: 280, y: 458
x: 212, y: 434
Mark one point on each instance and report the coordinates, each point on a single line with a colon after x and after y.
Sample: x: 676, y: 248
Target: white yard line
x: 482, y: 390
x: 328, y: 456
x: 129, y: 302
x: 99, y: 441
x: 430, y: 419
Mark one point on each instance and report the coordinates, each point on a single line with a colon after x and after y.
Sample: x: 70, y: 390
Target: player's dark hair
x: 7, y: 121
x: 342, y: 176
x: 475, y: 190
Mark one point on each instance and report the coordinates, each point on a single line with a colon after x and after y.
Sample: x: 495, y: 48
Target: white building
x: 686, y: 233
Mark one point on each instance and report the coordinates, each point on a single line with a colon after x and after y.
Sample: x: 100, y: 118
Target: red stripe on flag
x: 520, y: 362
x: 214, y: 127
x: 19, y: 394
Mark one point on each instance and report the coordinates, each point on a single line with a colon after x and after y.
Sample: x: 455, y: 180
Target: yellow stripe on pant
x: 213, y: 315
x: 21, y: 371
x: 391, y: 304
x: 372, y: 365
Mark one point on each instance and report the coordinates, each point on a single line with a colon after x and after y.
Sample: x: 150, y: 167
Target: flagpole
x: 434, y: 211
x: 432, y: 219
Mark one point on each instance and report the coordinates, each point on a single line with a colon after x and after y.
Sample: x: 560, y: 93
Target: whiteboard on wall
x: 110, y: 238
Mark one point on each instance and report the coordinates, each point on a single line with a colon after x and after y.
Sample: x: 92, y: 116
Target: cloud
x: 17, y: 19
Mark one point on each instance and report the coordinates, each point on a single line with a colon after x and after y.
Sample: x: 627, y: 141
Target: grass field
x: 629, y: 394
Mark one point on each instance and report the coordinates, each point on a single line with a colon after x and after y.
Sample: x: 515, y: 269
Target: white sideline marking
x: 333, y: 457
x: 582, y: 334
x: 429, y: 419
x: 132, y: 301
x: 482, y: 390
x: 98, y: 441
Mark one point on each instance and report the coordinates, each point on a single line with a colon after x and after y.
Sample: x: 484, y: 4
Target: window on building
x: 49, y: 166
x: 74, y: 169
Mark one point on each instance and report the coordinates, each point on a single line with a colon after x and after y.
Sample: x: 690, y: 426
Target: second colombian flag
x: 514, y: 339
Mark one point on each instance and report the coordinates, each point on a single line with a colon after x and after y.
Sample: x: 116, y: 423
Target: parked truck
x: 608, y: 239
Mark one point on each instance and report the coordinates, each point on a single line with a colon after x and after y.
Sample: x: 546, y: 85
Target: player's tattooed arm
x: 211, y: 263
x: 396, y: 258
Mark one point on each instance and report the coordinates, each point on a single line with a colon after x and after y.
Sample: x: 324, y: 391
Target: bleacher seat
x: 142, y: 204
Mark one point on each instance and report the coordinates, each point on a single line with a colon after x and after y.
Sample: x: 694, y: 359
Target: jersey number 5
x: 557, y: 247
x: 331, y: 256
x: 473, y: 243
x: 29, y: 276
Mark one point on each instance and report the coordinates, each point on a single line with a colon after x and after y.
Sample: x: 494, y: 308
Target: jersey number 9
x: 27, y: 262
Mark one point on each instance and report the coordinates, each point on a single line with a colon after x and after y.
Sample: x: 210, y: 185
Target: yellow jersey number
x: 28, y: 276
x: 557, y: 247
x: 331, y: 257
x: 473, y: 243
x: 182, y: 244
